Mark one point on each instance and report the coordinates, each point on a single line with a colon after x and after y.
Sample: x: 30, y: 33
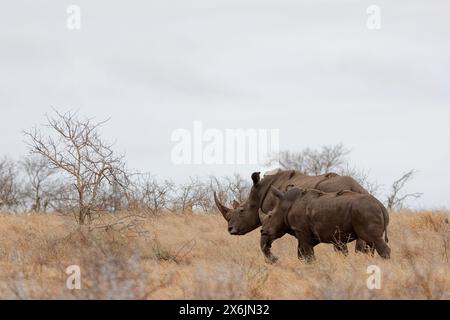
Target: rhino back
x: 328, y: 217
x: 283, y: 180
x: 341, y: 183
x: 326, y: 182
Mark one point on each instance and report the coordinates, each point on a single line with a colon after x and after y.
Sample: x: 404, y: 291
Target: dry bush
x: 192, y: 256
x: 10, y: 189
x: 191, y: 196
x: 150, y: 195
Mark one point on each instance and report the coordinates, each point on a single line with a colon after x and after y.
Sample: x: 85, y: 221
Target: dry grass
x: 193, y: 257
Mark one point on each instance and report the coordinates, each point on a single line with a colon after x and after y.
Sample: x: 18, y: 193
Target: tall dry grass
x: 193, y: 257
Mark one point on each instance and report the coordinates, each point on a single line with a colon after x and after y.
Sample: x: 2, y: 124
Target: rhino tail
x: 385, y: 219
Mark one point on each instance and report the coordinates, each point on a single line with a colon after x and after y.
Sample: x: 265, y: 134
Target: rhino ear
x: 256, y: 178
x: 236, y: 204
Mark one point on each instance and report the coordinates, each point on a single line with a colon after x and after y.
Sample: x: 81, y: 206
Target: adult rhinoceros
x: 243, y: 218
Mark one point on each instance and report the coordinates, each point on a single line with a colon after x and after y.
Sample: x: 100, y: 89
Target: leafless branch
x: 395, y: 200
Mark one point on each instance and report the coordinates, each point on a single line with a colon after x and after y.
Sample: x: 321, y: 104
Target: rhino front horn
x: 224, y: 210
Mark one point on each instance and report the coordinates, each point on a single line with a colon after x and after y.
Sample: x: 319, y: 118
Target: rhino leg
x: 361, y: 246
x: 266, y: 245
x: 305, y: 252
x: 382, y: 248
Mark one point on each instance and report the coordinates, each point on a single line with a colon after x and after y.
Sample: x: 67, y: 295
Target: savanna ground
x: 193, y: 257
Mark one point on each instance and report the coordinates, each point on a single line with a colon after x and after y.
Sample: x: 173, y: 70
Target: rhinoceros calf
x: 314, y: 217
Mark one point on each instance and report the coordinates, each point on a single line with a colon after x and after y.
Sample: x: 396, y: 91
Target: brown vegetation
x: 191, y: 256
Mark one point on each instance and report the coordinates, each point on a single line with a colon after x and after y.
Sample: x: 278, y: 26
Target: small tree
x: 151, y: 195
x: 192, y: 196
x: 38, y: 188
x: 395, y: 198
x: 10, y: 193
x: 238, y: 187
x: 74, y: 147
x: 312, y: 161
x: 324, y: 160
x: 362, y: 177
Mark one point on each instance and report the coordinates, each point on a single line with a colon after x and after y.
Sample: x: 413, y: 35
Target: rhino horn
x: 224, y: 210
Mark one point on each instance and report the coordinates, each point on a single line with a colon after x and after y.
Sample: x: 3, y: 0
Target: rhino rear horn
x: 224, y: 210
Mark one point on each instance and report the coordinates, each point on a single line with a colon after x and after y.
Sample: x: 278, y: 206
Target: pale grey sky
x: 310, y: 68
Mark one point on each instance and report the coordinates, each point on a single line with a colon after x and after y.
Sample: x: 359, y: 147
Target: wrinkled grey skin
x: 244, y: 218
x: 314, y: 217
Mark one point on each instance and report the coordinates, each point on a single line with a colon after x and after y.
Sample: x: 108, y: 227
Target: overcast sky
x: 309, y: 68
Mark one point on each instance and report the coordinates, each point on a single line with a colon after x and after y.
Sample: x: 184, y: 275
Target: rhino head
x: 274, y: 219
x: 243, y: 218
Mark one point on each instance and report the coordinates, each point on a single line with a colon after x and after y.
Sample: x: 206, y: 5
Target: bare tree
x: 324, y: 160
x: 113, y: 197
x: 192, y: 196
x: 151, y: 195
x: 63, y: 197
x: 362, y: 177
x: 327, y: 159
x: 229, y: 189
x: 290, y: 161
x: 202, y: 200
x: 313, y: 161
x: 38, y: 188
x: 74, y: 147
x: 395, y: 198
x: 10, y: 192
x: 238, y: 187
